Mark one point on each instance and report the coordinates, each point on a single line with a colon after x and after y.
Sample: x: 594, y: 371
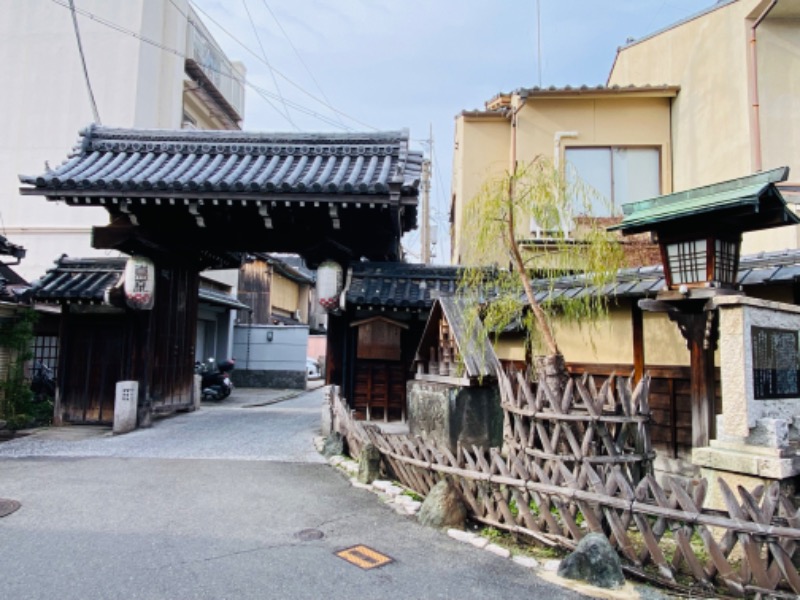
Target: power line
x: 83, y: 62
x: 262, y: 92
x: 200, y: 31
x: 299, y: 57
x: 279, y: 74
x: 269, y: 66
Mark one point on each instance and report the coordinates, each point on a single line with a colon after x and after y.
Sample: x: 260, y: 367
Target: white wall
x: 45, y: 103
x: 286, y: 351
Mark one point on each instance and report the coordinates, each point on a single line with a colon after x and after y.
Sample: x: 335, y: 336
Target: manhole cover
x: 8, y: 506
x: 309, y: 535
x: 364, y: 557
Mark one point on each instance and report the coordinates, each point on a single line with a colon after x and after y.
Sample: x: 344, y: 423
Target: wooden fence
x: 578, y: 462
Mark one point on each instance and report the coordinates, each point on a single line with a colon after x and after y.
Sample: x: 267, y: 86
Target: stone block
x: 773, y: 433
x: 126, y: 402
x: 450, y: 414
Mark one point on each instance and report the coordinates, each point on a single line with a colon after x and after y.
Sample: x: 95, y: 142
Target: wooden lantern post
x: 699, y: 233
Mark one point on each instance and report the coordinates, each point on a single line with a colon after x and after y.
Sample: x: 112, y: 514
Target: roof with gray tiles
x: 79, y: 280
x: 405, y: 286
x: 237, y: 161
x: 86, y: 281
x: 641, y: 282
x: 400, y: 286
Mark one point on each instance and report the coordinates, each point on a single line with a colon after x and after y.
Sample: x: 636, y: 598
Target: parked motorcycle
x: 43, y: 382
x: 215, y: 382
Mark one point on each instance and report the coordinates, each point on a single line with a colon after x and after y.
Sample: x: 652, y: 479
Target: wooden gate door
x: 92, y: 363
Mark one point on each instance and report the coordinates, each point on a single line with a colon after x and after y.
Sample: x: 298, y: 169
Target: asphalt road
x: 211, y: 505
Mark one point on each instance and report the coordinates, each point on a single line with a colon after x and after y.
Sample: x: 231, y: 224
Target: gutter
x: 752, y: 80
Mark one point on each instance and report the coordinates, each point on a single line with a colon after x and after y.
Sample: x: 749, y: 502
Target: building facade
x: 151, y: 64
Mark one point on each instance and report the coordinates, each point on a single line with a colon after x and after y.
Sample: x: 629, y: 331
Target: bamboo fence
x: 578, y: 462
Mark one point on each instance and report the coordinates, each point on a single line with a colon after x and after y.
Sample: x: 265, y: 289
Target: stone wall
x: 452, y: 414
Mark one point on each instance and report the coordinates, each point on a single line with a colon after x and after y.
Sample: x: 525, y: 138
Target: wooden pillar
x: 699, y: 329
x: 637, y: 322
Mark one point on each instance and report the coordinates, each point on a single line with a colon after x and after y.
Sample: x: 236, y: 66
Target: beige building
x: 152, y: 65
x: 709, y: 99
x: 737, y: 65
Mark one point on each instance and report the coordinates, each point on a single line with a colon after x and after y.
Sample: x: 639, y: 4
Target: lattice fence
x: 549, y: 485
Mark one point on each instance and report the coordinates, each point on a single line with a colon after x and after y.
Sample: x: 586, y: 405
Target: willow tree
x: 496, y: 225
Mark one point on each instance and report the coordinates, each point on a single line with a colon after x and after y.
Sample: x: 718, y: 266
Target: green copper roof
x: 747, y: 204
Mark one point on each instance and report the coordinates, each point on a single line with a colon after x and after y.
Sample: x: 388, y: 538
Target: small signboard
x: 140, y: 283
x: 776, y: 363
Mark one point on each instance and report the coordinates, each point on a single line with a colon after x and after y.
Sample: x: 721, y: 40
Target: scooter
x: 215, y: 380
x: 43, y: 383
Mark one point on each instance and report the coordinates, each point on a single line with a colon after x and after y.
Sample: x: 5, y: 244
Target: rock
x: 369, y: 464
x: 498, y: 550
x: 3, y: 424
x: 479, y: 542
x: 334, y: 445
x: 394, y: 490
x: 443, y: 507
x: 526, y: 561
x: 461, y: 536
x: 412, y: 507
x: 381, y: 485
x: 594, y: 561
x: 357, y: 484
x: 552, y: 565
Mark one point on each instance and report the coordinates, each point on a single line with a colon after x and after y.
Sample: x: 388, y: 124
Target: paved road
x: 210, y: 505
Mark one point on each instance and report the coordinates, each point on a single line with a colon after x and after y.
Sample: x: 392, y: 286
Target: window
x: 616, y: 176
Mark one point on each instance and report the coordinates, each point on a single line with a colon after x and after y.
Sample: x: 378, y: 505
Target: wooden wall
x: 254, y: 290
x: 156, y: 348
x: 670, y: 404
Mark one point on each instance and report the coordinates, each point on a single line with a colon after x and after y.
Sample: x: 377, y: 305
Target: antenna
x: 539, y: 40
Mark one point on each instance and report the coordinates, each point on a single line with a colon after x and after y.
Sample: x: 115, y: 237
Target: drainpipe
x: 513, y: 159
x: 752, y: 76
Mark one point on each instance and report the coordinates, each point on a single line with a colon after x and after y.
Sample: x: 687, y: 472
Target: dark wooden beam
x: 699, y: 331
x: 637, y: 324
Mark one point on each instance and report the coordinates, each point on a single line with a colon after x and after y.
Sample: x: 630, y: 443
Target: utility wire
x: 260, y: 91
x: 300, y: 58
x: 201, y: 32
x: 269, y: 66
x: 83, y: 62
x: 278, y: 73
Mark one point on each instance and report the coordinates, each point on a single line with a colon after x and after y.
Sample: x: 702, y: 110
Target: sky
x: 367, y: 65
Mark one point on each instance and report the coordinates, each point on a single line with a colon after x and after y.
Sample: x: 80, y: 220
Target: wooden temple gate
x: 196, y: 200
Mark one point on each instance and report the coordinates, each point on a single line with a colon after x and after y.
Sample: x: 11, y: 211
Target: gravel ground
x: 280, y: 429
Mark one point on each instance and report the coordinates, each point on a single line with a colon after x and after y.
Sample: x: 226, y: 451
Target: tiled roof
x: 86, y: 280
x: 237, y: 161
x: 747, y: 204
x: 9, y: 249
x: 399, y: 286
x: 754, y: 270
x: 79, y: 280
x: 647, y: 89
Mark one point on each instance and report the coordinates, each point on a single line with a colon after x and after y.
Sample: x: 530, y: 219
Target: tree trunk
x: 552, y: 370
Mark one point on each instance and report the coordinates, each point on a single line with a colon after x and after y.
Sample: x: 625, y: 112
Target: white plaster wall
x: 286, y: 351
x: 741, y: 411
x: 45, y: 103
